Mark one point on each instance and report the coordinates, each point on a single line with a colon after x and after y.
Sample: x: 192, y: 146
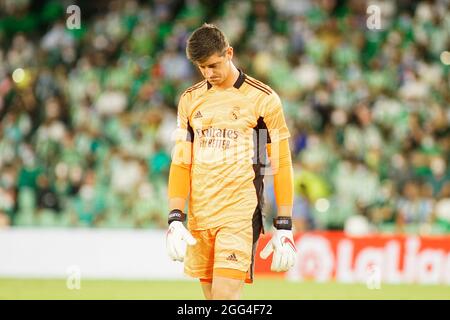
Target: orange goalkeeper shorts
x: 226, y: 251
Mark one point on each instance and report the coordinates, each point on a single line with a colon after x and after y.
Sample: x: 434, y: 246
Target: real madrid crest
x: 235, y: 114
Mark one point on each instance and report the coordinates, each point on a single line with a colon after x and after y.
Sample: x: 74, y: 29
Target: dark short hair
x: 204, y: 42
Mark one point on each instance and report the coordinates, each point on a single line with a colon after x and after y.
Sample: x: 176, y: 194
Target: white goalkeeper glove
x: 282, y: 245
x: 177, y: 235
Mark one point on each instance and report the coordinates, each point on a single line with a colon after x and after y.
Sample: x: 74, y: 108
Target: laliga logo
x: 349, y: 261
x: 315, y: 259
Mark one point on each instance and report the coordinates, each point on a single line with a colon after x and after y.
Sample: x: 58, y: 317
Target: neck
x: 233, y: 75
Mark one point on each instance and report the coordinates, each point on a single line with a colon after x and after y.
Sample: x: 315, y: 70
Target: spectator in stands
x: 442, y: 208
x: 366, y: 108
x: 47, y: 198
x: 414, y: 206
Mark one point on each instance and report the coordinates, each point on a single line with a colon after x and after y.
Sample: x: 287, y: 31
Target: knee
x: 224, y: 294
x: 226, y: 288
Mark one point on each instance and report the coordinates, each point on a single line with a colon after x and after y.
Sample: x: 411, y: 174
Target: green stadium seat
x: 46, y: 218
x: 27, y: 199
x: 66, y: 219
x: 24, y: 219
x: 387, y: 228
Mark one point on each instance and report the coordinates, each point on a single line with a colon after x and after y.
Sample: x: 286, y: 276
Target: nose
x: 208, y: 72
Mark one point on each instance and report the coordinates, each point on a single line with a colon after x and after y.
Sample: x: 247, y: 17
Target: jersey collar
x: 240, y: 79
x: 237, y: 84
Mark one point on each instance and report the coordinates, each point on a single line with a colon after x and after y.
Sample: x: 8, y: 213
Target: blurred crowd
x: 87, y: 115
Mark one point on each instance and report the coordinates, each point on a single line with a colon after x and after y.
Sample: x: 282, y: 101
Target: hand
x: 284, y: 251
x: 176, y: 235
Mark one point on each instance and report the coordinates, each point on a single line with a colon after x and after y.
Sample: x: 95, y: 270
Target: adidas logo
x: 232, y: 257
x: 197, y: 115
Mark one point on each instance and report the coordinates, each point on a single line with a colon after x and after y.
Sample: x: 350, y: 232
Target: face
x: 216, y: 68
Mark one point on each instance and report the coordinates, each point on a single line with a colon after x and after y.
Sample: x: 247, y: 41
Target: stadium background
x: 87, y: 115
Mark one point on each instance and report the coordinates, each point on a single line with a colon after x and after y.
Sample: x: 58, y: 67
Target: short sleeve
x: 184, y: 130
x: 184, y: 136
x: 273, y: 117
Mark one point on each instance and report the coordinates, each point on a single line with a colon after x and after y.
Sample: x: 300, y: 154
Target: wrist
x: 176, y: 215
x: 283, y: 223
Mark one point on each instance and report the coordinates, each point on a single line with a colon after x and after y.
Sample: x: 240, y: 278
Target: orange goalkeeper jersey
x: 226, y: 131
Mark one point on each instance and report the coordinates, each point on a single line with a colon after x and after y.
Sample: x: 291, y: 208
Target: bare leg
x: 226, y: 288
x: 206, y: 287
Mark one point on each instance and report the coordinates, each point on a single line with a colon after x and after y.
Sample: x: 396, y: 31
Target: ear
x: 230, y: 53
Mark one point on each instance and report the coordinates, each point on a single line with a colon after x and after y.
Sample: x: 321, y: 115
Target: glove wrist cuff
x: 176, y: 215
x: 282, y: 223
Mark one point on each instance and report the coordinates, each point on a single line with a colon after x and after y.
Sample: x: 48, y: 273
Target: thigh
x: 233, y: 249
x: 199, y: 261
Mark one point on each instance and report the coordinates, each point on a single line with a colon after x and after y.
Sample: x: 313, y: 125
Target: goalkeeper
x: 226, y: 123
